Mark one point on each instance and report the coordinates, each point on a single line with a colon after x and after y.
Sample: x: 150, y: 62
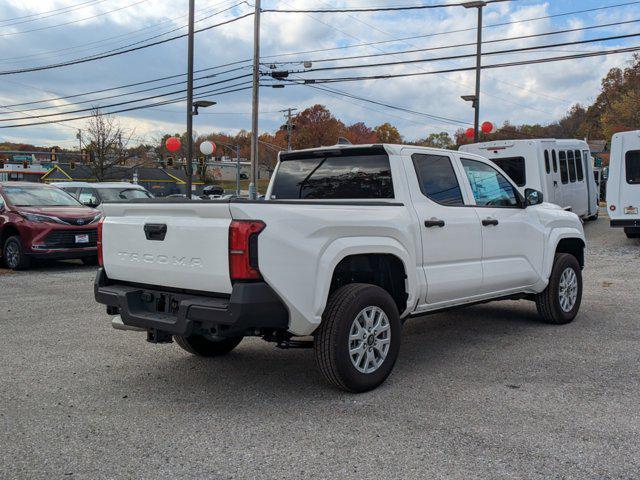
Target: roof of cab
x: 97, y: 184
x: 391, y: 148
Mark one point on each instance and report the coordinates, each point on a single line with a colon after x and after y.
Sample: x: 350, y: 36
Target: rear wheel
x: 632, y: 232
x: 358, y: 341
x: 14, y: 256
x: 204, y: 347
x: 560, y: 301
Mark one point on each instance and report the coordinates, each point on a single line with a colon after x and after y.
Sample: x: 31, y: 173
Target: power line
x: 375, y: 9
x: 459, y: 45
x: 465, y: 69
x: 458, y: 57
x: 140, y: 107
x: 73, y: 21
x: 99, y: 57
x: 78, y: 5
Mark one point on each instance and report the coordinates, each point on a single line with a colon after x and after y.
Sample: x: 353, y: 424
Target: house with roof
x: 159, y: 181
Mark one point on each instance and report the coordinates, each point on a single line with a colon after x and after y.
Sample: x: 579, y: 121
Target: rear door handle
x: 434, y: 222
x: 489, y: 221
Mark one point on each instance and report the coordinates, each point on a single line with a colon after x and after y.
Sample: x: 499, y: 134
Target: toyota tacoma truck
x: 349, y: 242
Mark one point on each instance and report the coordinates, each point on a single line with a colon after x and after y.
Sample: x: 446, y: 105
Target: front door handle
x: 434, y: 222
x: 489, y: 221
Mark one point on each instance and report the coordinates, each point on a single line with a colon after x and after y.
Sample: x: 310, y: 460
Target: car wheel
x: 632, y: 232
x: 90, y: 261
x: 358, y: 341
x: 14, y: 256
x: 560, y: 301
x: 204, y: 347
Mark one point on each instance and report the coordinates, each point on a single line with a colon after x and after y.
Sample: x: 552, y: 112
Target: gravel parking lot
x: 480, y: 392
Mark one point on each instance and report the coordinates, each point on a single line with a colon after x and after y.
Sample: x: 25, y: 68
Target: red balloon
x: 470, y: 133
x: 173, y: 144
x: 487, y: 127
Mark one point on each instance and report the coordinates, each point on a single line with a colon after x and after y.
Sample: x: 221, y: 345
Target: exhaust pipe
x: 117, y: 323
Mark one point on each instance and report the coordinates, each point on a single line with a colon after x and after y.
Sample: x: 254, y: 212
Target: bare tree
x: 107, y: 141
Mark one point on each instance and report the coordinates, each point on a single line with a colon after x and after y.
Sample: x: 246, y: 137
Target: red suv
x: 40, y: 221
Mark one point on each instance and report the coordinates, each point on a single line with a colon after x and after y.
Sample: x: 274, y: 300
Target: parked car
x: 623, y: 184
x: 95, y: 194
x: 349, y: 242
x: 561, y: 169
x: 212, y: 190
x: 40, y: 221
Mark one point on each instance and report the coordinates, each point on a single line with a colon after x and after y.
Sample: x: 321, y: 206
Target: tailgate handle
x: 155, y: 231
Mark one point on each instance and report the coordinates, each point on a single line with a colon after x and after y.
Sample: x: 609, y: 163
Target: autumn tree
x: 315, y: 127
x: 437, y: 140
x: 387, y: 133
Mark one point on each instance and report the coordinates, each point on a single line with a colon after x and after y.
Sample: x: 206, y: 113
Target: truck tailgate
x: 180, y: 245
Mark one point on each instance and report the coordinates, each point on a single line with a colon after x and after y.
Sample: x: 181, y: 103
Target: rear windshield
x: 38, y: 196
x: 359, y: 173
x: 121, y: 194
x: 632, y: 166
x: 514, y: 167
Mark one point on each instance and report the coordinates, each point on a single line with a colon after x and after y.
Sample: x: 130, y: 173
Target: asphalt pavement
x: 480, y: 392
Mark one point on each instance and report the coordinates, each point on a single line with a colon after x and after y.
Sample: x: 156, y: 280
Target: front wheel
x: 204, y: 347
x: 560, y: 301
x: 14, y: 256
x: 358, y: 341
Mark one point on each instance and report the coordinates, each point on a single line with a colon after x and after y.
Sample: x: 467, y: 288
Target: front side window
x: 88, y: 196
x: 38, y: 196
x: 632, y: 166
x: 437, y: 179
x: 572, y: 166
x: 490, y: 188
x: 347, y: 174
x: 579, y: 169
x: 514, y: 167
x: 564, y: 170
x: 121, y: 194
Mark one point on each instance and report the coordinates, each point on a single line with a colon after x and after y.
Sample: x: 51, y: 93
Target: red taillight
x: 243, y: 249
x: 612, y: 208
x: 99, y: 243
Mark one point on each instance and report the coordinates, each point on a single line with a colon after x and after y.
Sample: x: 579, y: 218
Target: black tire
x: 90, y: 261
x: 632, y: 232
x: 548, y: 302
x: 331, y: 340
x: 14, y: 256
x: 593, y: 217
x: 203, y: 347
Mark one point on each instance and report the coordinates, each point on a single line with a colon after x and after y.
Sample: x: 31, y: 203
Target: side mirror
x: 532, y: 197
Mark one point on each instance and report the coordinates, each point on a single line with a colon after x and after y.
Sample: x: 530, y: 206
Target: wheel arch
x: 566, y: 240
x: 7, y: 232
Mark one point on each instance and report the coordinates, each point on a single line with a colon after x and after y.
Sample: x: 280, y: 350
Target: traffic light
x: 53, y: 156
x: 1, y: 163
x: 201, y: 161
x: 72, y: 165
x: 25, y: 164
x: 169, y: 161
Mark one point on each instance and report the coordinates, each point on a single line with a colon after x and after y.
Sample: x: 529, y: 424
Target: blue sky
x: 534, y: 93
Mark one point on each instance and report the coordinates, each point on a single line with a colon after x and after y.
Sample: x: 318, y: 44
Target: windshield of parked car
x: 39, y: 196
x: 358, y: 173
x: 119, y: 194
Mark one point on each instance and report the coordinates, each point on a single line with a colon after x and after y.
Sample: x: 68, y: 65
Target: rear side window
x: 547, y: 165
x: 359, y: 173
x: 564, y: 171
x: 514, y: 167
x: 437, y: 179
x: 572, y: 166
x: 632, y: 166
x: 579, y: 169
x: 555, y: 161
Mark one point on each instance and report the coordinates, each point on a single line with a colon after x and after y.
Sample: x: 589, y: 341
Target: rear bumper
x: 250, y: 306
x: 626, y: 223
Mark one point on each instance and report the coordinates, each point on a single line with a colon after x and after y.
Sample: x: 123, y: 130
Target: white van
x: 623, y: 184
x: 561, y: 169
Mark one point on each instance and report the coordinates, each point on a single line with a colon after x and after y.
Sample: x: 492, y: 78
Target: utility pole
x: 253, y: 176
x: 190, y: 98
x: 476, y: 98
x: 79, y: 137
x: 289, y: 125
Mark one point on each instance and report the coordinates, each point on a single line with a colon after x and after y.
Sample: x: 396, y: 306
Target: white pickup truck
x: 350, y: 242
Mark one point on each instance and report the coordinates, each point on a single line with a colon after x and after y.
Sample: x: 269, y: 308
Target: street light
x: 202, y: 104
x: 476, y: 98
